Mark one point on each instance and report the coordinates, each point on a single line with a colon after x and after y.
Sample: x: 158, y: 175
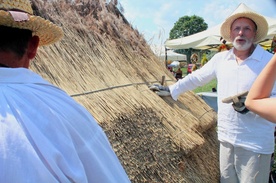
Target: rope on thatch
x: 112, y: 87
x: 206, y: 112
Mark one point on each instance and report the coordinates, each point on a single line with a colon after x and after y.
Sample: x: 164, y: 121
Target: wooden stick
x: 163, y: 80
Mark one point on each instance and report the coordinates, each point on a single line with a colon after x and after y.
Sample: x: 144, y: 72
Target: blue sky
x: 155, y: 18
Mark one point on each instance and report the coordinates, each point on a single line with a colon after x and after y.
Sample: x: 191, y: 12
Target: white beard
x: 242, y: 47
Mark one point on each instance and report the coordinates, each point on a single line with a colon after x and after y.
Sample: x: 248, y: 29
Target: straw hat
x: 244, y: 11
x: 19, y: 14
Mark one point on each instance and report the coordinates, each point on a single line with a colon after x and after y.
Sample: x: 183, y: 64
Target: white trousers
x: 238, y: 165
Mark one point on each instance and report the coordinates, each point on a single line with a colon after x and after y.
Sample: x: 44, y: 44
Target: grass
x: 207, y: 88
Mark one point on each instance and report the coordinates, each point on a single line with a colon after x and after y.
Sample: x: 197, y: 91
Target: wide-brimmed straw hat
x: 246, y: 12
x: 19, y: 14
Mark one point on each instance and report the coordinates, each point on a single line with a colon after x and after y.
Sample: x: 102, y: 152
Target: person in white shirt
x: 246, y: 139
x: 45, y: 135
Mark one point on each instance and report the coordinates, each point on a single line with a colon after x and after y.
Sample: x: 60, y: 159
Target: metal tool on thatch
x: 160, y: 89
x: 238, y: 102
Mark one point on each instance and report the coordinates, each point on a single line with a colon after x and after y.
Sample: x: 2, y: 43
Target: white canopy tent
x: 210, y: 38
x: 271, y: 32
x: 171, y: 55
x: 203, y: 40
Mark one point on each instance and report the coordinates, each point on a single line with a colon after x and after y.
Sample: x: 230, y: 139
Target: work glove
x: 162, y: 91
x: 238, y: 102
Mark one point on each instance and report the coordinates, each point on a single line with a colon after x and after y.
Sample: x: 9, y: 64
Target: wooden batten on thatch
x: 106, y: 65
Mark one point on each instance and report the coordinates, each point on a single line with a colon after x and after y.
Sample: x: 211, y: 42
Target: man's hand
x: 238, y: 102
x: 162, y: 91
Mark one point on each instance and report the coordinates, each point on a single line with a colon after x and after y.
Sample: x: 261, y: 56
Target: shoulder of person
x: 266, y: 55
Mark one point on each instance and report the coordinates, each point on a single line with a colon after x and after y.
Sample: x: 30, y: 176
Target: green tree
x: 187, y: 25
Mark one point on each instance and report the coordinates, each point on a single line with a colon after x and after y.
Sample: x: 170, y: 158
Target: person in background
x: 45, y: 135
x: 246, y: 139
x: 178, y: 73
x: 170, y: 69
x: 259, y: 98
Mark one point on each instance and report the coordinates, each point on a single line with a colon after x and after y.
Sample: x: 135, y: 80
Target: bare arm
x: 258, y: 100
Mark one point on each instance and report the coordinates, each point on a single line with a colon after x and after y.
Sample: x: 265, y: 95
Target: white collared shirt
x: 245, y: 130
x: 45, y: 136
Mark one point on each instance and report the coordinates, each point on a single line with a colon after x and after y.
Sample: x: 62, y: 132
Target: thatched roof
x: 106, y: 65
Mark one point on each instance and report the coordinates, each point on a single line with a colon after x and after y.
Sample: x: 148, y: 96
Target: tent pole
x: 189, y: 53
x: 166, y: 57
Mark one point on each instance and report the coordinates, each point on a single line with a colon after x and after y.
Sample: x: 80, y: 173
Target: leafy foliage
x: 187, y: 25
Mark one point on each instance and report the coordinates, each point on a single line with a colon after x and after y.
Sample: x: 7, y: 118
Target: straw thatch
x: 106, y: 65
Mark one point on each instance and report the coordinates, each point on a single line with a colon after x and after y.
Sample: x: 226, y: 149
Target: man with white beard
x: 246, y: 139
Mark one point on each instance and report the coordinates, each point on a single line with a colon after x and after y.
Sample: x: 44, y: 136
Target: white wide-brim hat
x: 19, y: 14
x: 245, y: 12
